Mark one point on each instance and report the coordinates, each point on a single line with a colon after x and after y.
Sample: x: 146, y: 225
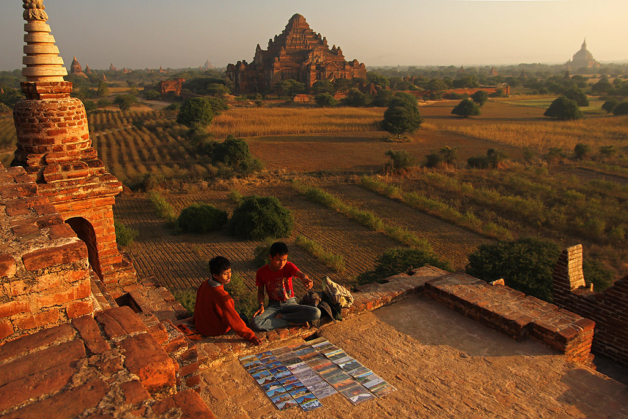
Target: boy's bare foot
x: 278, y: 316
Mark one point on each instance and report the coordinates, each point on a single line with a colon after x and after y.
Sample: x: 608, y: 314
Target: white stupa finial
x: 42, y: 60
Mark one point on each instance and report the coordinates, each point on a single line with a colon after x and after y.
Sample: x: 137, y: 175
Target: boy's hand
x: 258, y: 312
x: 256, y: 341
x: 307, y: 282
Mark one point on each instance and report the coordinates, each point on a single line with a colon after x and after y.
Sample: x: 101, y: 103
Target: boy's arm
x: 232, y: 318
x: 260, y: 301
x: 307, y: 282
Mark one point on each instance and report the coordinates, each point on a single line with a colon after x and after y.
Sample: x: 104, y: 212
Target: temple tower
x: 55, y: 150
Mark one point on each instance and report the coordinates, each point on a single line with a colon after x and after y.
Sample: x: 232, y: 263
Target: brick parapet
x: 109, y: 366
x: 44, y: 271
x: 609, y: 308
x: 512, y: 313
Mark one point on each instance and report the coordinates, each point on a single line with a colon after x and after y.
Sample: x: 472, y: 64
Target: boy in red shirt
x: 275, y: 278
x: 214, y: 310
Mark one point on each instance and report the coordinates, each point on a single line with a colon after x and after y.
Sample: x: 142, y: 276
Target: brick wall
x: 44, y: 271
x: 609, y: 309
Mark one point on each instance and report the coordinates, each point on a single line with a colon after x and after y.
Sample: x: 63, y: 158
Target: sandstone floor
x: 443, y: 365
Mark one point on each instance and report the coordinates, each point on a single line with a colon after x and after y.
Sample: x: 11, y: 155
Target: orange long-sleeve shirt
x: 215, y: 314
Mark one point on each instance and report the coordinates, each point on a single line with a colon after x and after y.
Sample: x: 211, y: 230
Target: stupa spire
x: 42, y: 60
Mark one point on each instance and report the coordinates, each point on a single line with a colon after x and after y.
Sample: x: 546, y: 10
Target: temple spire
x: 42, y: 60
x: 584, y: 44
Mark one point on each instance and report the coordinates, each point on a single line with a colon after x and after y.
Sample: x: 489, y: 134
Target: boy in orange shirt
x: 214, y: 310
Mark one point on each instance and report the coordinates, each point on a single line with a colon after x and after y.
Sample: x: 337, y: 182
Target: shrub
x: 261, y: 217
x: 235, y: 196
x: 201, y: 218
x: 596, y: 273
x: 261, y: 253
x: 124, y: 235
x: 245, y: 299
x: 325, y: 100
x: 525, y: 264
x: 162, y: 207
x: 195, y: 111
x: 401, y: 260
x: 492, y: 159
x: 480, y: 97
x: 609, y: 105
x: 186, y: 297
x: 235, y: 153
x: 151, y: 94
x: 401, y: 159
x: 581, y: 151
x: 621, y: 109
x: 577, y: 96
x: 564, y: 109
x: 331, y: 260
x: 466, y: 108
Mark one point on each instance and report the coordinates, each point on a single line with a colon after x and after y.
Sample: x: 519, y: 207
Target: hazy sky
x: 185, y: 33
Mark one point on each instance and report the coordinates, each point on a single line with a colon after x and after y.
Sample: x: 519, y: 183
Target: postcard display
x: 304, y: 374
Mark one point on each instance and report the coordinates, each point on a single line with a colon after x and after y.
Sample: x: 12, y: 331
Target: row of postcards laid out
x: 302, y: 375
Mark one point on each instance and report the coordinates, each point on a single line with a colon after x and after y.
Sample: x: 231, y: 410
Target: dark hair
x: 278, y: 248
x: 218, y: 265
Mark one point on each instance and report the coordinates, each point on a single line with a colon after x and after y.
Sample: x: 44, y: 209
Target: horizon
x: 494, y: 33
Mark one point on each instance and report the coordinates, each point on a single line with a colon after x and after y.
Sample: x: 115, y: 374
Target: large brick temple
x: 297, y: 53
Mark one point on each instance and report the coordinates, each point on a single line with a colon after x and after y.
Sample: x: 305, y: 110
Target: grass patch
x: 162, y: 208
x: 331, y: 260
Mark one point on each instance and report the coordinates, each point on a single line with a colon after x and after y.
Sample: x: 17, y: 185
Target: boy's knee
x: 257, y: 323
x: 316, y: 314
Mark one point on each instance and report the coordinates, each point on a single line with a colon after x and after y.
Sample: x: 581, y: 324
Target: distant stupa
x: 76, y: 69
x: 583, y: 58
x: 493, y: 72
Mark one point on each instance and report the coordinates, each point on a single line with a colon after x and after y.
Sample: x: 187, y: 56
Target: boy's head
x: 220, y: 268
x: 278, y: 256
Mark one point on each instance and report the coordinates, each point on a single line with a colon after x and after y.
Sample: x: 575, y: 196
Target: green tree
x: 152, y: 94
x: 436, y: 85
x: 383, y: 98
x: 609, y: 105
x: 577, y: 96
x: 125, y: 102
x: 325, y: 100
x: 480, y: 97
x: 323, y: 86
x: 564, y: 109
x: 525, y: 265
x: 401, y: 260
x: 357, y: 99
x: 401, y: 159
x: 466, y: 108
x: 289, y: 88
x: 259, y: 218
x: 582, y: 150
x: 621, y: 109
x: 401, y: 119
x: 201, y: 218
x: 194, y: 112
x: 103, y: 89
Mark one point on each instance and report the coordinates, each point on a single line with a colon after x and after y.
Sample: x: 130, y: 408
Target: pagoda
x: 583, y: 58
x: 298, y: 53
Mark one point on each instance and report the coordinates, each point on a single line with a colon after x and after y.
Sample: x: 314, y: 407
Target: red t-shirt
x: 278, y: 284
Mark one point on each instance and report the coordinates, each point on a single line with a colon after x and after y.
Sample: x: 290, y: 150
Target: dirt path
x: 448, y: 241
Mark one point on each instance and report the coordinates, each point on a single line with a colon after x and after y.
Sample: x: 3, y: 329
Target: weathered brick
x: 79, y: 292
x: 79, y: 308
x: 90, y: 333
x: 188, y: 369
x: 134, y: 392
x: 145, y: 358
x: 13, y: 307
x: 41, y: 360
x: 190, y: 403
x: 65, y: 405
x: 45, y: 258
x: 35, y: 385
x: 159, y: 332
x: 41, y: 339
x: 61, y: 231
x: 120, y: 321
x: 6, y: 330
x: 38, y: 320
x: 193, y: 381
x: 8, y: 266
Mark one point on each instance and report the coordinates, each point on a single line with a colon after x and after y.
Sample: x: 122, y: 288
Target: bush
x: 577, y: 96
x: 162, y: 208
x: 525, y: 265
x: 259, y: 217
x: 152, y: 95
x: 201, y: 218
x: 235, y: 153
x: 261, y: 253
x: 125, y: 102
x: 186, y: 297
x: 596, y: 273
x: 401, y: 260
x: 195, y: 111
x: 621, y: 109
x: 609, y: 105
x: 491, y: 161
x: 235, y: 196
x: 446, y: 154
x: 480, y: 97
x: 401, y: 159
x: 466, y: 108
x: 124, y: 235
x: 564, y: 109
x: 581, y: 151
x: 245, y: 300
x: 325, y: 100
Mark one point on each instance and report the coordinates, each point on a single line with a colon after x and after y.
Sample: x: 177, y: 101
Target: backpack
x: 337, y: 293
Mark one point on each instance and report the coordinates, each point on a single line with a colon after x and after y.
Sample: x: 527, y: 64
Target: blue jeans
x: 291, y: 313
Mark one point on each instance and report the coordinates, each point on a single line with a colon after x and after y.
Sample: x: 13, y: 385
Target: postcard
x: 379, y: 386
x: 271, y: 386
x: 286, y: 405
x: 256, y: 370
x: 338, y: 378
x: 253, y: 364
x: 350, y: 366
x: 295, y: 348
x: 383, y: 391
x: 296, y: 368
x: 261, y: 374
x: 264, y: 355
x: 318, y: 385
x: 353, y: 390
x: 247, y: 358
x: 372, y: 383
x: 359, y: 371
x: 292, y: 361
x: 265, y: 380
x: 311, y: 405
x: 305, y: 351
x: 280, y: 368
x: 323, y: 364
x: 344, y: 384
x: 274, y: 365
x: 365, y: 377
x: 282, y: 374
x: 324, y: 392
x: 316, y: 341
x: 329, y: 374
x: 281, y: 398
x: 306, y: 398
x: 280, y: 351
x: 275, y: 392
x: 311, y: 357
x: 298, y: 392
x: 342, y: 360
x: 293, y: 386
x: 288, y: 380
x: 331, y: 352
x: 361, y: 398
x: 310, y: 381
